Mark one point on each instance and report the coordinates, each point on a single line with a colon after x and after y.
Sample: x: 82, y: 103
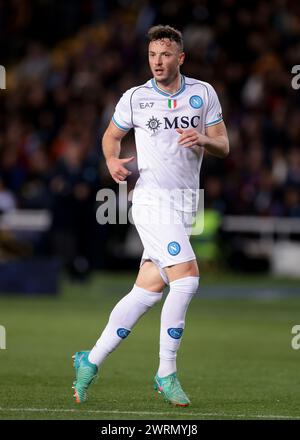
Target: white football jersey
x: 163, y: 164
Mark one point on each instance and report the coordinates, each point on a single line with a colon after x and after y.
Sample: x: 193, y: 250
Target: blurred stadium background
x: 67, y: 63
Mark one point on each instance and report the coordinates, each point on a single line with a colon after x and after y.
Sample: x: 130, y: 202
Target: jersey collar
x: 164, y: 93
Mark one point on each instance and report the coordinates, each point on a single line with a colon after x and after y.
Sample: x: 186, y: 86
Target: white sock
x: 173, y: 322
x: 121, y: 321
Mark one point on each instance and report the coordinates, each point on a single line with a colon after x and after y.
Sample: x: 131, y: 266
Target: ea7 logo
x: 146, y: 105
x: 2, y: 338
x: 296, y: 339
x: 2, y: 78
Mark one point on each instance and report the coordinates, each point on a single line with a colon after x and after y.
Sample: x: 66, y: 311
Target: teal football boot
x: 171, y: 390
x: 86, y: 373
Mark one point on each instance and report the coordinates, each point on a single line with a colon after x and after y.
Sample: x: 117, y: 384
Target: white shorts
x: 165, y: 235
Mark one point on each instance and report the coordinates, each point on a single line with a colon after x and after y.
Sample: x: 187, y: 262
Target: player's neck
x: 170, y: 87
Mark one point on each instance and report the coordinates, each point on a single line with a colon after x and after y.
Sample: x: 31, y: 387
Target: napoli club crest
x: 196, y: 101
x: 174, y: 248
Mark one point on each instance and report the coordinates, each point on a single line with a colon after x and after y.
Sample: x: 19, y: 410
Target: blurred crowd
x: 73, y: 63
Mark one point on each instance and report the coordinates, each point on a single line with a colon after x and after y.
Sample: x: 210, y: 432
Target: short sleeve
x: 122, y: 115
x: 214, y: 112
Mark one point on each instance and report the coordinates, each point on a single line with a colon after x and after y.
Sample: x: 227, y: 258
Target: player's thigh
x: 149, y: 277
x: 182, y: 270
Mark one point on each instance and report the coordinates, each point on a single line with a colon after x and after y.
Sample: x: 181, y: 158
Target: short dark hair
x: 160, y: 31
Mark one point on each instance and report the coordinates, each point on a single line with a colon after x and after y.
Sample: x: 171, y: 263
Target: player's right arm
x: 111, y: 144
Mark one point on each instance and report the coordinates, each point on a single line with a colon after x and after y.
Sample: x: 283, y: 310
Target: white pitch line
x: 150, y: 413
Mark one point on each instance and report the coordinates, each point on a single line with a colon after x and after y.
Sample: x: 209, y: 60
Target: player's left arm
x: 215, y: 140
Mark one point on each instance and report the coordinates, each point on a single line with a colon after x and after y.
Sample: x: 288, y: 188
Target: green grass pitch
x: 235, y: 361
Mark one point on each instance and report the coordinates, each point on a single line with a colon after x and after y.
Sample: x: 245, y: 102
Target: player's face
x: 165, y: 59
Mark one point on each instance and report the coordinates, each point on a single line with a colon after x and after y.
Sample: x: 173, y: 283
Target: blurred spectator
x: 73, y: 185
x: 7, y: 199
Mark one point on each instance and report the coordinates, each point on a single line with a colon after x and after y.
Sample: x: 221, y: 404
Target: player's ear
x: 181, y: 58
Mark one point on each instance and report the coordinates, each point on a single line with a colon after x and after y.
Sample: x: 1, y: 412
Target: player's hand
x: 191, y: 137
x: 117, y: 169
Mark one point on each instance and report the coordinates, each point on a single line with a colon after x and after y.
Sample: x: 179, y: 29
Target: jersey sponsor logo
x: 153, y: 124
x: 146, y: 105
x: 175, y: 333
x: 196, y: 101
x: 172, y: 123
x: 123, y: 333
x: 183, y: 122
x: 172, y: 103
x: 174, y: 248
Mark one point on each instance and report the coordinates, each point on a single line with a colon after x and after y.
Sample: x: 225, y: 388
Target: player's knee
x: 194, y: 283
x: 157, y: 288
x: 149, y: 278
x: 154, y: 287
x: 188, y: 285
